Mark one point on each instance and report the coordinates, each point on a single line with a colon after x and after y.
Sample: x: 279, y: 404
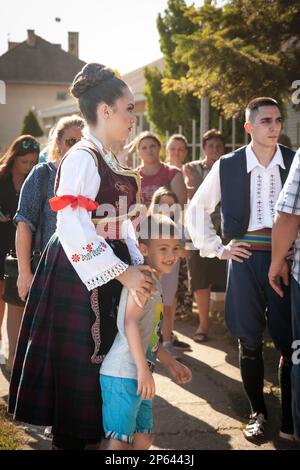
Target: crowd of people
x: 122, y: 250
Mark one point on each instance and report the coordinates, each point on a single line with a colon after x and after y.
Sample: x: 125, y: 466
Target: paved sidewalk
x: 207, y: 413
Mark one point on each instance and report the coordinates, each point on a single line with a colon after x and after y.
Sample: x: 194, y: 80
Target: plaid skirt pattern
x: 54, y: 381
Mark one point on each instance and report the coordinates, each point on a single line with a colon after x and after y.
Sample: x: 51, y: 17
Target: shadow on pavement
x: 223, y: 393
x: 180, y: 430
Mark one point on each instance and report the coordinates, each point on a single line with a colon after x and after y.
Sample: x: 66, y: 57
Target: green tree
x: 31, y: 125
x: 167, y: 111
x: 239, y: 51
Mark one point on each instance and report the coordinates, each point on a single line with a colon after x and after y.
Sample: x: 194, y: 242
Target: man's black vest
x: 235, y: 190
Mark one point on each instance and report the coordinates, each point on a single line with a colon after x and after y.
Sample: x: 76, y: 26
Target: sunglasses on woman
x: 70, y: 141
x: 30, y: 145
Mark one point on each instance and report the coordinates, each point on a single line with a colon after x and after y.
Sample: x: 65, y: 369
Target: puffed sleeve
x: 92, y: 258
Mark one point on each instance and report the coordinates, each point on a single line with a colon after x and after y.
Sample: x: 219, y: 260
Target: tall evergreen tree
x: 241, y: 50
x: 167, y: 111
x: 31, y: 125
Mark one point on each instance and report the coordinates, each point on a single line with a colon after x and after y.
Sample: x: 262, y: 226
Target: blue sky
x: 119, y: 33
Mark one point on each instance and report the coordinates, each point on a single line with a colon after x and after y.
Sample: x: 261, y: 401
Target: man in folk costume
x: 247, y: 182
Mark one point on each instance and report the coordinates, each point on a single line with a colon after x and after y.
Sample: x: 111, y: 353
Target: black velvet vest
x: 235, y: 190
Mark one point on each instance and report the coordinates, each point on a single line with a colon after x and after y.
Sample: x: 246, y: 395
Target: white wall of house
x: 21, y: 98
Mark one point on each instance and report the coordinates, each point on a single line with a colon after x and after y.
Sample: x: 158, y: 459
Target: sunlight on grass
x: 10, y: 438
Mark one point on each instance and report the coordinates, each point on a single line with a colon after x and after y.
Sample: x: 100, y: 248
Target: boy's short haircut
x: 156, y: 226
x: 254, y: 105
x: 212, y: 134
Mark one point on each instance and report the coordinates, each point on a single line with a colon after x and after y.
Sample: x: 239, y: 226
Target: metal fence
x: 291, y: 127
x: 195, y: 144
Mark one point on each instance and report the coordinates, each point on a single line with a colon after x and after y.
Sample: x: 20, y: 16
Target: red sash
x: 60, y: 202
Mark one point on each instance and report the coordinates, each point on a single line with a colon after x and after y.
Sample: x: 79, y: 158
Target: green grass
x: 10, y: 436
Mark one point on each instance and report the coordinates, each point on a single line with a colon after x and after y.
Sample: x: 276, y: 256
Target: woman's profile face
x: 122, y: 117
x: 149, y: 150
x: 24, y: 164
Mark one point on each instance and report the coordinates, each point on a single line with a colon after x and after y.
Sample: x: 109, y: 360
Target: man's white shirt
x: 265, y: 186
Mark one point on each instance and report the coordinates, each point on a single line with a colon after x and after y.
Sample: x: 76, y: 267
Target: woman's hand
x: 23, y: 284
x: 236, y: 251
x: 139, y: 282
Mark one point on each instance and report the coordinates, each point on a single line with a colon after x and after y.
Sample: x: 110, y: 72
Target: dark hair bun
x: 90, y: 76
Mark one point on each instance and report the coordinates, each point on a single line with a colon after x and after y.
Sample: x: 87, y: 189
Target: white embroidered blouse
x: 91, y: 256
x: 265, y: 186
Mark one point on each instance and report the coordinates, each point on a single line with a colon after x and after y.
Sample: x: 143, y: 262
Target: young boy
x: 126, y: 379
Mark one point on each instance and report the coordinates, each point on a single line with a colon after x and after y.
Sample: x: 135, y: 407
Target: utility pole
x: 204, y: 117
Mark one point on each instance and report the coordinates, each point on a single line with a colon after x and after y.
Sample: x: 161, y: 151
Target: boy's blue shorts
x: 124, y: 412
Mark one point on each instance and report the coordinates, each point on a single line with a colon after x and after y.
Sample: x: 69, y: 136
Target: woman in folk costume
x: 70, y: 317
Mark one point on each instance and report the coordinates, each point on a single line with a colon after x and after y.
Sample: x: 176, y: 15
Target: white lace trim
x: 107, y: 275
x: 95, y: 330
x: 139, y: 259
